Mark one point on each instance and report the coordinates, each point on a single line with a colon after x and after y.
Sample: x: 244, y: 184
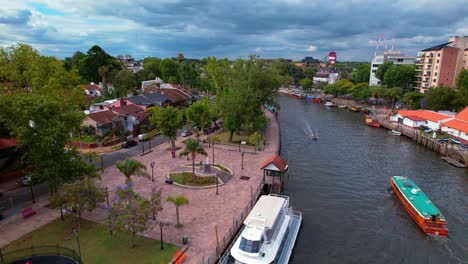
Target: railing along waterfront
x: 231, y: 234
x: 19, y: 254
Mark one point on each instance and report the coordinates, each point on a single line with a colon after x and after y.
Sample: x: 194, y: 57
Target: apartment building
x: 392, y: 55
x: 441, y: 64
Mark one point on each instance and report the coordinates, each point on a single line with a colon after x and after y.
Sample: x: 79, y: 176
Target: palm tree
x: 129, y: 167
x: 192, y: 147
x: 179, y: 200
x: 180, y: 58
x: 104, y: 72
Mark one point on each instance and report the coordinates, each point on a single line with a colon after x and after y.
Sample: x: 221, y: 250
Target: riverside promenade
x: 205, y: 209
x: 205, y: 212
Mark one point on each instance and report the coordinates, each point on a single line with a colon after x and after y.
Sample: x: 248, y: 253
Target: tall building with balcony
x: 392, y: 55
x: 441, y: 64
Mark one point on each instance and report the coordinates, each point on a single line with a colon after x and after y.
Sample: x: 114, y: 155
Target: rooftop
x: 425, y: 114
x: 265, y: 211
x: 457, y: 124
x: 438, y: 47
x: 278, y: 163
x: 103, y: 117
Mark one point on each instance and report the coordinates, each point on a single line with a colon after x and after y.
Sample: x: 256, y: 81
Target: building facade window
x: 437, y: 61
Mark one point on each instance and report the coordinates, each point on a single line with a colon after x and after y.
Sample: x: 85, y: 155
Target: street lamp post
x: 102, y: 164
x: 160, y: 228
x: 217, y: 180
x: 32, y: 192
x: 213, y: 152
x: 242, y: 159
x: 75, y: 232
x: 152, y: 174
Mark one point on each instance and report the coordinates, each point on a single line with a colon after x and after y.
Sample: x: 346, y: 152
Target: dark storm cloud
x: 21, y: 17
x: 270, y: 28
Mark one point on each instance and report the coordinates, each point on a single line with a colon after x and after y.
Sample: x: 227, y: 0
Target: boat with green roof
x: 419, y: 206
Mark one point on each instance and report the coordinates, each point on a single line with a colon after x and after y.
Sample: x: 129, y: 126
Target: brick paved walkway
x: 205, y: 209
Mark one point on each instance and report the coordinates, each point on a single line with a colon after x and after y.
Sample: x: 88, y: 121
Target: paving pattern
x: 206, y: 210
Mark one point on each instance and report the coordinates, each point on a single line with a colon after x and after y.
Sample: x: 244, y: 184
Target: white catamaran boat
x: 269, y: 233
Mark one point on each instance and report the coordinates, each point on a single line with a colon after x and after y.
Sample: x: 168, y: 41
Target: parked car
x: 129, y: 143
x: 142, y: 137
x: 185, y: 133
x: 423, y: 127
x: 26, y: 180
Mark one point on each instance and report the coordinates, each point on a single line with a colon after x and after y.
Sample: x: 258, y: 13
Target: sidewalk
x: 205, y: 210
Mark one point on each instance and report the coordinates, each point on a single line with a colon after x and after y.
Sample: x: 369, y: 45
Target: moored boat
x: 316, y: 100
x: 269, y: 233
x: 419, y: 206
x: 394, y: 133
x: 297, y: 95
x: 330, y: 104
x: 354, y: 109
x: 371, y: 121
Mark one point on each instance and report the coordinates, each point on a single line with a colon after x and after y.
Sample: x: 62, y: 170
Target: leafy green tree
x: 306, y: 83
x: 124, y: 83
x: 129, y: 167
x: 443, y: 98
x: 217, y: 73
x: 361, y: 74
x: 399, y: 76
x: 81, y: 195
x: 377, y: 91
x: 168, y: 69
x: 201, y: 113
x: 155, y: 202
x: 413, y: 99
x: 382, y: 69
x: 17, y: 65
x: 393, y: 94
x: 152, y: 65
x: 129, y: 212
x: 104, y: 73
x: 192, y: 148
x: 310, y: 73
x: 94, y: 59
x: 167, y: 120
x: 187, y: 75
x: 178, y: 201
x: 462, y: 84
x: 361, y: 91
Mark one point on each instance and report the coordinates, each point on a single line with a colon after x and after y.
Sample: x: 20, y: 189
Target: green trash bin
x: 185, y: 239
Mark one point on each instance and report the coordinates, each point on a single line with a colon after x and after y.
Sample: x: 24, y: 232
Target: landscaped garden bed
x: 97, y: 246
x: 186, y: 178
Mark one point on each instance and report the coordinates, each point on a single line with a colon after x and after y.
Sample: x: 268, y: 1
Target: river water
x: 341, y: 185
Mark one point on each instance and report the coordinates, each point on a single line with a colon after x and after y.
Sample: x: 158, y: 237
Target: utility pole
x: 152, y: 166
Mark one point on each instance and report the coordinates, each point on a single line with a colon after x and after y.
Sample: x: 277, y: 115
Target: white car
x: 185, y: 133
x: 142, y: 137
x: 26, y: 180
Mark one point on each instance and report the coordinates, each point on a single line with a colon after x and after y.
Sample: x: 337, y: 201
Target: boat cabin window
x: 407, y: 184
x: 251, y: 246
x: 270, y: 233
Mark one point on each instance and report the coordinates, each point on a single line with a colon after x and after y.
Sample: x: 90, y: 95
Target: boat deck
x: 418, y: 200
x: 294, y: 226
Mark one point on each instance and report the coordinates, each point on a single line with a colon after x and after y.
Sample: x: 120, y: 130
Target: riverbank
x: 341, y: 184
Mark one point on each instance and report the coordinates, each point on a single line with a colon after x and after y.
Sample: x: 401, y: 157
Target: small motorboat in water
x: 394, y: 133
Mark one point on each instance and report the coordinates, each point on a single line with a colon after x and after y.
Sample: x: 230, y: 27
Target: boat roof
x: 265, y: 212
x: 417, y: 198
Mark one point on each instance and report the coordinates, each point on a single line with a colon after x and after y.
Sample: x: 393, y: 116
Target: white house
x: 412, y: 118
x: 458, y: 127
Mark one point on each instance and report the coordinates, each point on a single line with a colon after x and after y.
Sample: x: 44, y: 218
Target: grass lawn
x: 223, y: 137
x: 185, y: 178
x: 85, y: 138
x: 96, y: 244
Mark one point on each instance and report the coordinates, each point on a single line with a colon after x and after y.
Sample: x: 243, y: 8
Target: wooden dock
x: 454, y: 162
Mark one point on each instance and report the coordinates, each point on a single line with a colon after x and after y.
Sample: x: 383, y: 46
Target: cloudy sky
x: 200, y: 28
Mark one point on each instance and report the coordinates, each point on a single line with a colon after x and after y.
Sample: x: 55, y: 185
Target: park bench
x: 28, y: 212
x: 179, y: 257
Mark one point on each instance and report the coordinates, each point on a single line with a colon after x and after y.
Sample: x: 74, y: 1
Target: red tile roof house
x: 96, y: 90
x: 416, y: 118
x: 458, y: 127
x: 104, y: 121
x: 133, y: 117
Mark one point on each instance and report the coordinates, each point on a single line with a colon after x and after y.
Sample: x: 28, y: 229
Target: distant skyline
x: 290, y: 29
